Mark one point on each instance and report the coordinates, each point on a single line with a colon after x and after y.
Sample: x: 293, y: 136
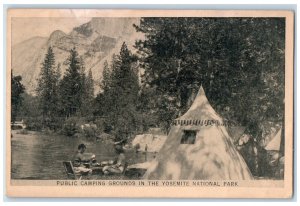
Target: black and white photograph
x: 191, y: 100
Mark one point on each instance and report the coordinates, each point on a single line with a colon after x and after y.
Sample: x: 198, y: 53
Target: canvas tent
x: 198, y: 147
x: 274, y: 144
x: 153, y: 143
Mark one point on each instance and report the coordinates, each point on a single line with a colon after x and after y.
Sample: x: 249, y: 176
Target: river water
x: 40, y: 156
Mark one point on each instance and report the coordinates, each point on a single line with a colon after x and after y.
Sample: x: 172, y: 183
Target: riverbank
x: 39, y: 156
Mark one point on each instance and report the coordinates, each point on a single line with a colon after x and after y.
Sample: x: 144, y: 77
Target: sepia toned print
x: 118, y: 103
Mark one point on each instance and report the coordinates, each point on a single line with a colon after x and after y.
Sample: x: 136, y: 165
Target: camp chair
x: 70, y: 170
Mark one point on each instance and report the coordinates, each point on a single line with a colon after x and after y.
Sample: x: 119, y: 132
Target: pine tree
x: 120, y: 93
x: 106, y: 77
x: 17, y: 89
x: 58, y: 72
x: 99, y: 108
x: 47, y: 90
x: 87, y: 95
x: 72, y: 86
x: 90, y: 85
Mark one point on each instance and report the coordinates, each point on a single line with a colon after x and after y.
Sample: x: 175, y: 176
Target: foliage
x: 34, y: 123
x: 47, y: 89
x: 90, y: 132
x: 119, y: 97
x: 70, y: 126
x: 59, y: 98
x: 239, y: 62
x: 87, y: 95
x: 72, y: 85
x: 17, y: 89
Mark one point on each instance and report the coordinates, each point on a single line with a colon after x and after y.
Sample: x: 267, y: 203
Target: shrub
x: 34, y: 123
x: 89, y: 132
x: 56, y: 123
x: 70, y: 126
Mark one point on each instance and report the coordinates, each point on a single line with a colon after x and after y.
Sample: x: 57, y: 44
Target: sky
x: 26, y: 28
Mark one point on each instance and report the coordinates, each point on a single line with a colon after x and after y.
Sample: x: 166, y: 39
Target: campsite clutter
x: 200, y: 145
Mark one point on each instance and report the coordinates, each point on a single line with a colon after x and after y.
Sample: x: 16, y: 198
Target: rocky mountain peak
x: 111, y: 27
x: 95, y: 41
x: 57, y: 34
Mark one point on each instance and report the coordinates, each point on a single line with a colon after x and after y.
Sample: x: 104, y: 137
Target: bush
x: 100, y: 123
x: 55, y: 123
x: 39, y: 124
x: 70, y: 127
x: 89, y: 132
x: 34, y: 123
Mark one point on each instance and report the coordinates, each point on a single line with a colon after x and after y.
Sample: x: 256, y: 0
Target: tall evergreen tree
x: 47, y: 90
x: 100, y: 104
x: 106, y: 77
x: 58, y: 72
x: 72, y: 86
x: 88, y: 94
x: 17, y: 89
x: 120, y: 93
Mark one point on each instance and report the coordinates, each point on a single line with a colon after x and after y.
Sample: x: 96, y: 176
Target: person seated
x: 81, y: 160
x: 117, y: 166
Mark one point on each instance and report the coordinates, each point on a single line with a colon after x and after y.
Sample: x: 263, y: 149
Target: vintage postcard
x: 149, y: 103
